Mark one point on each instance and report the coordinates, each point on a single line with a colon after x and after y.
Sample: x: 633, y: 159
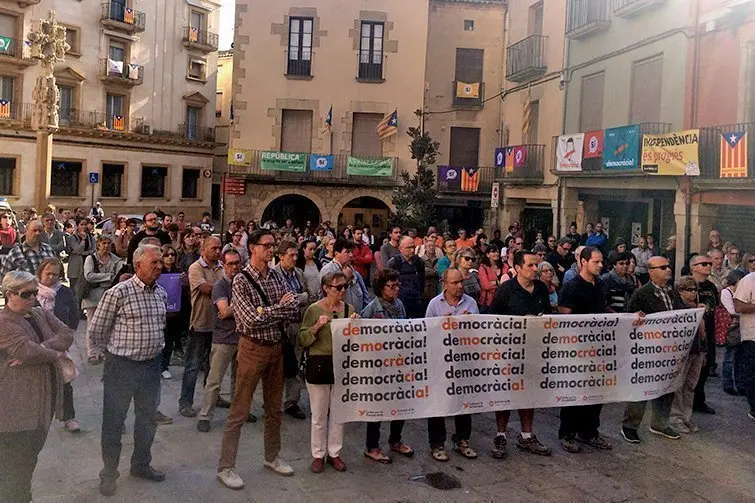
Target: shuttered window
x: 153, y: 181
x: 296, y: 131
x: 591, y: 102
x: 65, y: 177
x: 645, y: 104
x: 469, y: 65
x: 465, y: 146
x: 364, y: 138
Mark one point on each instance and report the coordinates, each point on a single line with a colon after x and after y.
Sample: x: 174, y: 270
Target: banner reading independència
x: 408, y: 369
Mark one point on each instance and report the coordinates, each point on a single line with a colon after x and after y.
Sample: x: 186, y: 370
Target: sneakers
x: 681, y: 428
x: 630, y: 435
x: 499, y: 447
x: 666, y: 431
x: 533, y: 445
x: 230, y: 478
x: 162, y: 419
x: 280, y: 467
x: 598, y: 441
x: 203, y: 425
x: 166, y: 375
x: 569, y: 444
x: 462, y: 447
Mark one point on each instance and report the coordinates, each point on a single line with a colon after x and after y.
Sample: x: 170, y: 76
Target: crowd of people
x: 260, y: 299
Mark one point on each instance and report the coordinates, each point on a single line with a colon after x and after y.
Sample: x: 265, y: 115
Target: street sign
x: 495, y: 195
x: 94, y: 177
x: 234, y: 186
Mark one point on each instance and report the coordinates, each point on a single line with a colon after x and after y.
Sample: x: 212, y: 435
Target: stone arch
x: 384, y: 195
x: 312, y: 196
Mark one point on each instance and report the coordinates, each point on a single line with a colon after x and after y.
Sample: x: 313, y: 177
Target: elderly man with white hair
x: 128, y: 327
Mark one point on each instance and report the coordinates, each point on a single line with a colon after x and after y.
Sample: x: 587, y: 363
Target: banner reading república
x: 369, y: 167
x: 409, y: 369
x: 283, y: 161
x: 621, y: 148
x: 674, y: 154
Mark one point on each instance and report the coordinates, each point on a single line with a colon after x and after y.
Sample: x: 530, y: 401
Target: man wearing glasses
x: 654, y: 297
x: 618, y: 286
x: 561, y: 259
x: 518, y: 244
x: 262, y: 303
x: 700, y: 267
x: 151, y: 229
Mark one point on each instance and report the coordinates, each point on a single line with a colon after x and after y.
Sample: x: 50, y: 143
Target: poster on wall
x: 606, y: 226
x: 636, y: 233
x: 594, y: 141
x: 674, y: 154
x: 621, y: 148
x: 569, y: 152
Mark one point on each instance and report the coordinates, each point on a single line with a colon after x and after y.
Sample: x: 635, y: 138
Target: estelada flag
x: 734, y: 155
x: 470, y: 179
x: 4, y: 108
x: 128, y: 16
x: 118, y: 124
x: 509, y: 162
x: 593, y: 144
x: 388, y: 126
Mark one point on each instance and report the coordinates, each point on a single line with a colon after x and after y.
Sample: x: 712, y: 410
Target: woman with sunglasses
x: 315, y: 334
x: 748, y: 263
x: 465, y: 262
x: 491, y: 268
x: 386, y: 305
x: 33, y: 368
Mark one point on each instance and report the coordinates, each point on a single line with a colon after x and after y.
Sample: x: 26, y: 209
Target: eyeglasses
x: 392, y: 286
x: 266, y: 246
x: 468, y: 258
x: 339, y: 288
x: 690, y: 289
x: 541, y: 254
x: 28, y: 294
x: 705, y: 264
x: 171, y: 254
x: 751, y: 260
x: 662, y: 267
x: 235, y: 262
x: 622, y: 263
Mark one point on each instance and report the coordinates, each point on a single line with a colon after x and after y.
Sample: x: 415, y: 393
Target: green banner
x: 283, y: 161
x: 369, y: 167
x: 5, y: 43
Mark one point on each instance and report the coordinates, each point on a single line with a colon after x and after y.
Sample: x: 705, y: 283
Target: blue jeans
x: 728, y: 380
x: 196, y: 358
x: 123, y: 380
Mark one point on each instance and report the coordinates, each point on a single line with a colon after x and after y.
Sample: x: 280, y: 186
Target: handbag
x: 84, y: 286
x: 290, y: 363
x: 318, y: 369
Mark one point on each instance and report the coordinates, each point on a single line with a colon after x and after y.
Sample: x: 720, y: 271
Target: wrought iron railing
x: 581, y: 13
x: 710, y: 149
x: 201, y: 37
x: 196, y: 133
x: 526, y: 58
x: 530, y: 170
x: 120, y: 16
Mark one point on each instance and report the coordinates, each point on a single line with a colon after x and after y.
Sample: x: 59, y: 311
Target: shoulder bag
x: 318, y: 369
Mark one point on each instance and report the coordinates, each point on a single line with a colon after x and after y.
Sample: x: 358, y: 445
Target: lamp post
x: 48, y: 46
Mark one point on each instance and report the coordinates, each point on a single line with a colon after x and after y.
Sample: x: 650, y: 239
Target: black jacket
x: 649, y: 301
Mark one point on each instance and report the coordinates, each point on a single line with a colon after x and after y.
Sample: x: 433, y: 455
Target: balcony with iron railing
x: 338, y: 175
x: 367, y: 69
x: 710, y: 151
x: 117, y: 16
x: 194, y: 132
x: 197, y: 38
x: 27, y: 3
x: 14, y: 52
x: 586, y: 17
x: 487, y: 175
x: 525, y: 60
x: 530, y: 172
x: 629, y: 8
x: 120, y: 72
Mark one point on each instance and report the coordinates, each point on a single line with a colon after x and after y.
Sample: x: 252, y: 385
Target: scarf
x: 391, y: 309
x: 46, y: 295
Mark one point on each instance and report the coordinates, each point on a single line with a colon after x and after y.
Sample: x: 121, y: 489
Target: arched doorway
x: 365, y: 211
x: 298, y: 208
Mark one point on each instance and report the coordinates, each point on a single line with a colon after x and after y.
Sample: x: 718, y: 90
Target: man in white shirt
x: 744, y: 304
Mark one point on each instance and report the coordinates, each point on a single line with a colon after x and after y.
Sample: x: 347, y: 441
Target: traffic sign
x: 495, y: 195
x: 94, y: 177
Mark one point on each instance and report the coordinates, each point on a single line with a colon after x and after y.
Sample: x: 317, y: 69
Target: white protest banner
x: 569, y: 150
x: 409, y: 369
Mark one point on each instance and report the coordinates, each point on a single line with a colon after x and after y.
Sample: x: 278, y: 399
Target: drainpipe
x: 693, y: 120
x: 501, y: 125
x: 561, y: 188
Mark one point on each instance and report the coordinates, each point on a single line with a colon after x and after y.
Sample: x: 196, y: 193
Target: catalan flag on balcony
x: 470, y: 179
x: 193, y: 34
x: 328, y: 121
x: 129, y: 16
x: 118, y: 123
x: 133, y: 71
x: 388, y: 126
x: 467, y: 89
x: 4, y: 109
x: 734, y: 155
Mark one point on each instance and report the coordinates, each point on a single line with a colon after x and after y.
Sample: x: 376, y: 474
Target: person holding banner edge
x: 451, y: 302
x: 524, y: 295
x: 583, y: 295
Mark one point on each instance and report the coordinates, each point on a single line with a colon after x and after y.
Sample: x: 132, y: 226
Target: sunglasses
x: 169, y: 255
x: 751, y: 260
x: 266, y: 246
x: 662, y: 267
x: 28, y: 294
x: 339, y: 288
x: 705, y: 264
x: 468, y: 258
x: 688, y: 289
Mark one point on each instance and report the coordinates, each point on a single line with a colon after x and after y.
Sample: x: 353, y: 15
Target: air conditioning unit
x: 146, y: 129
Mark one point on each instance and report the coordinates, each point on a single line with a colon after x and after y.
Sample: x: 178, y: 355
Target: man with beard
x: 151, y: 229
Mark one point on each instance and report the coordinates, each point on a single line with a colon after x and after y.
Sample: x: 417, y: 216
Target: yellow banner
x: 674, y: 154
x: 467, y: 90
x: 239, y: 157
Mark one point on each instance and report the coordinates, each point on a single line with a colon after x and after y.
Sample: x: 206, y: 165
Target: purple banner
x: 172, y: 285
x: 450, y: 176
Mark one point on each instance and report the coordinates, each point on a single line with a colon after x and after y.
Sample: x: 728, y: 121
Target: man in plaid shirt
x: 128, y: 327
x: 28, y: 255
x: 259, y: 319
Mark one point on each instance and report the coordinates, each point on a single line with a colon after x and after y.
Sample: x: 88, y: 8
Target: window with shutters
x: 532, y: 135
x: 193, y: 120
x: 371, y: 51
x: 6, y: 87
x: 296, y: 131
x: 113, y: 109
x: 465, y: 146
x: 153, y: 181
x: 300, y: 46
x: 190, y: 183
x: 645, y: 100
x: 112, y: 180
x: 66, y: 104
x: 591, y: 102
x: 7, y: 169
x: 364, y: 138
x: 9, y: 44
x: 65, y: 178
x: 535, y: 21
x: 468, y: 85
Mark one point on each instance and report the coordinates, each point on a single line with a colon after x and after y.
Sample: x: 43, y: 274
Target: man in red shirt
x: 362, y: 256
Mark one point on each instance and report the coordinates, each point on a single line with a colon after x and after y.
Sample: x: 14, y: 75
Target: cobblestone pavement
x: 713, y: 465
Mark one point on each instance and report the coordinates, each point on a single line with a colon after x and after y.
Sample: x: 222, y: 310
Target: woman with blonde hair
x: 465, y: 258
x: 547, y: 274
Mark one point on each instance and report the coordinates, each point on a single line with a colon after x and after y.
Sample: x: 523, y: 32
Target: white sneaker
x: 230, y: 478
x: 280, y: 467
x: 166, y: 375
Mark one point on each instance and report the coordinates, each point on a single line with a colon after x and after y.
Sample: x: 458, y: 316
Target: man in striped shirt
x: 128, y: 327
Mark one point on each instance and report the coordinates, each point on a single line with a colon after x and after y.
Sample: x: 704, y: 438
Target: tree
x: 414, y: 200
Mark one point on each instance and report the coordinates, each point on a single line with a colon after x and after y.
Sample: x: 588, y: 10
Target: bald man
x: 28, y: 255
x: 411, y: 272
